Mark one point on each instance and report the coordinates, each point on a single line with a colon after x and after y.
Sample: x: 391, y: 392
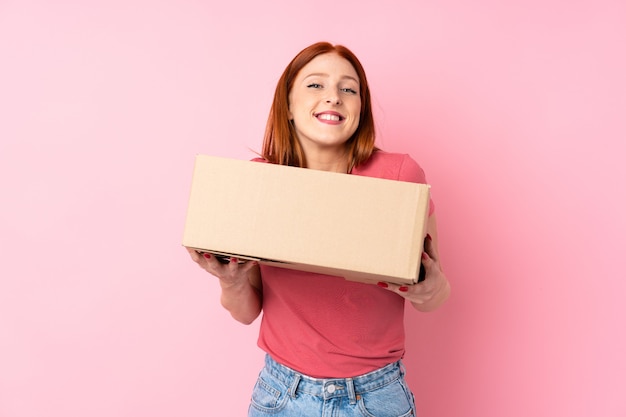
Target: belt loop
x: 294, y: 385
x: 351, y: 393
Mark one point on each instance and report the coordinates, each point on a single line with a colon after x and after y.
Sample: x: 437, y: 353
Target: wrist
x: 234, y: 286
x: 439, y: 298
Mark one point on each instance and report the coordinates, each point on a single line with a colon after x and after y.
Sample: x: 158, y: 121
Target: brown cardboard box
x: 363, y: 229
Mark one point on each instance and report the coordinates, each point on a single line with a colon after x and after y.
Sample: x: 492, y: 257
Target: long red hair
x: 280, y: 145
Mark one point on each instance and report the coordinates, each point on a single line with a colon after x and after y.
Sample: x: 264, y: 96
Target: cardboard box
x: 360, y: 228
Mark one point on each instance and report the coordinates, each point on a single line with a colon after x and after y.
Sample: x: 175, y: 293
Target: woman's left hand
x: 430, y: 293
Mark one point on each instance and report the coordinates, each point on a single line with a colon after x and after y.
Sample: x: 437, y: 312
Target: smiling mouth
x: 330, y: 117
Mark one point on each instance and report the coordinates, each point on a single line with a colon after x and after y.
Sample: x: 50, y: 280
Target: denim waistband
x: 334, y: 387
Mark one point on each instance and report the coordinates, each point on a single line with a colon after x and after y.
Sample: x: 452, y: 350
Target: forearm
x: 436, y: 301
x: 242, y: 300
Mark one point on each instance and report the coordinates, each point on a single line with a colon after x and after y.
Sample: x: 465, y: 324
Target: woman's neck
x: 333, y: 160
x: 333, y: 163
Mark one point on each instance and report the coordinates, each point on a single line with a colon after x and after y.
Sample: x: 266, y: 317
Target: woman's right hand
x: 240, y: 282
x: 230, y: 274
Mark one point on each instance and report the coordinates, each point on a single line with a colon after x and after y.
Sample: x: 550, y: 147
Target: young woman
x: 334, y: 347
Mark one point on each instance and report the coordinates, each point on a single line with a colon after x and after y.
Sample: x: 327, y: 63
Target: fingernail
x: 382, y: 285
x: 403, y: 289
x: 428, y: 236
x: 233, y: 259
x: 424, y: 255
x: 207, y: 255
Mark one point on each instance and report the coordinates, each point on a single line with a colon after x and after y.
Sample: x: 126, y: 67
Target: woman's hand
x: 240, y: 282
x: 435, y: 289
x: 230, y: 274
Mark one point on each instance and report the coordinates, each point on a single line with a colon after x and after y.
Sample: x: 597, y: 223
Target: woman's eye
x: 314, y: 85
x: 349, y: 90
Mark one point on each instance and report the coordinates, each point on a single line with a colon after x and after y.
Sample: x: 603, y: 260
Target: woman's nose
x: 333, y: 97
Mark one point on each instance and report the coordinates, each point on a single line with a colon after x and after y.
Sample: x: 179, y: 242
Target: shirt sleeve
x: 410, y: 171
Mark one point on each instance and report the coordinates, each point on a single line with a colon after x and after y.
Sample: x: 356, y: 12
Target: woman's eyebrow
x: 324, y: 75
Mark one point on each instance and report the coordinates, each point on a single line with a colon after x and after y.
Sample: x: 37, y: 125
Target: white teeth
x: 326, y: 116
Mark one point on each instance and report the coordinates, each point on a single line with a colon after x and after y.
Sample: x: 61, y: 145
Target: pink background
x: 515, y: 109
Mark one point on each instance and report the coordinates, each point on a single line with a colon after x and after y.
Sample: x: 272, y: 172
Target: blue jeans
x: 283, y: 392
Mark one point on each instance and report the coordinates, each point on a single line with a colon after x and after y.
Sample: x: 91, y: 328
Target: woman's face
x: 325, y: 103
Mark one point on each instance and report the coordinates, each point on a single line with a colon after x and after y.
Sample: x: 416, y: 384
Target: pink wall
x: 515, y: 109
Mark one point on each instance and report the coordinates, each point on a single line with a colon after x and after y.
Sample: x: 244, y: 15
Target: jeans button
x: 331, y: 389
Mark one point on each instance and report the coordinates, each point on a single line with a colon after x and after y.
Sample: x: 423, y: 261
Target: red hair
x: 280, y: 145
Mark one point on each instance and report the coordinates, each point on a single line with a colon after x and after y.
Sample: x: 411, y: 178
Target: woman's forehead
x: 329, y: 64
